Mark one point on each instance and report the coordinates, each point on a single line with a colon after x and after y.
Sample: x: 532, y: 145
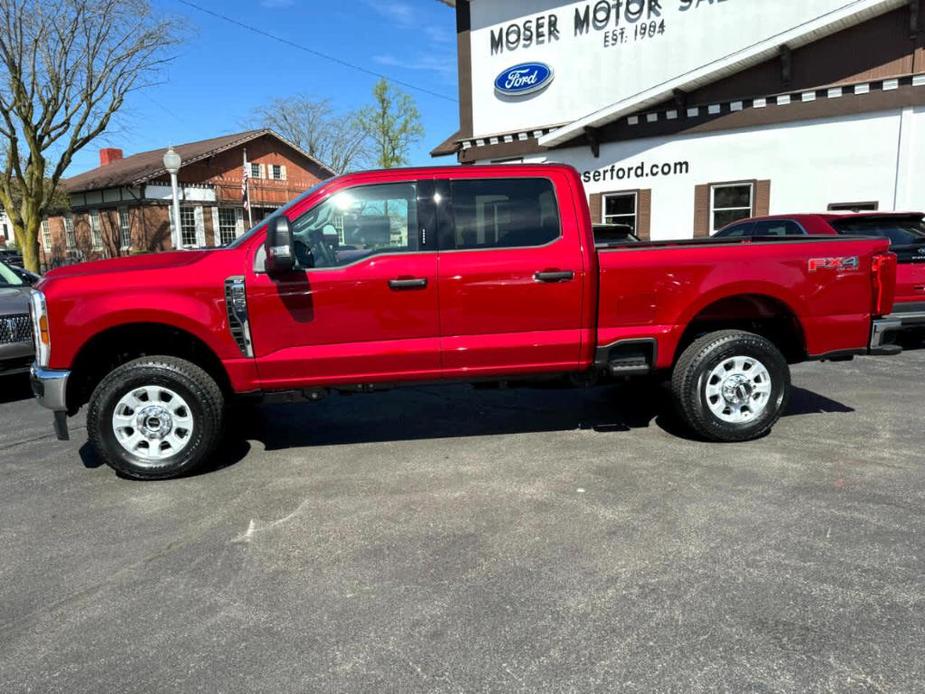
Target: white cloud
x: 399, y: 12
x: 405, y: 15
x: 445, y: 67
x: 439, y: 34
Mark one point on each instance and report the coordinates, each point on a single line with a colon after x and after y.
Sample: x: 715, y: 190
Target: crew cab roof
x: 436, y: 171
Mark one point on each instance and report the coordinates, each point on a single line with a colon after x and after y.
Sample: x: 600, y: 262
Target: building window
x: 125, y: 228
x: 620, y: 208
x: 46, y: 236
x: 730, y: 202
x: 255, y: 170
x: 69, y: 237
x: 227, y: 225
x: 96, y: 236
x: 277, y: 172
x: 854, y: 207
x: 188, y: 226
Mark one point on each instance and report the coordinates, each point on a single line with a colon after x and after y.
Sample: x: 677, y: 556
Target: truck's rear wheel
x: 731, y: 385
x: 155, y: 417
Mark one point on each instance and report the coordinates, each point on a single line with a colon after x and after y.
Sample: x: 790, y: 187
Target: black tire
x: 697, y: 363
x: 191, y: 383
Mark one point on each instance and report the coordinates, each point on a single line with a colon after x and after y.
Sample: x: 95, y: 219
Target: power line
x: 314, y: 52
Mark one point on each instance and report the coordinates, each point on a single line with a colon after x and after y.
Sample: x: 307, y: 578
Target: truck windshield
x: 8, y: 278
x: 901, y: 231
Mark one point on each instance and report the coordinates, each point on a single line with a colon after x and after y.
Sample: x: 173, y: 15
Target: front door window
x: 356, y: 223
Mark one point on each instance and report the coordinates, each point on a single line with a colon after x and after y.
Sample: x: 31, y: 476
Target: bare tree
x: 392, y: 123
x: 314, y: 126
x: 66, y: 68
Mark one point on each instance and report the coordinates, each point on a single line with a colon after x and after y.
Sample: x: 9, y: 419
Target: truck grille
x: 16, y: 328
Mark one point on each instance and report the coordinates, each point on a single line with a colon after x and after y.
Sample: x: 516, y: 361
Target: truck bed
x: 646, y: 289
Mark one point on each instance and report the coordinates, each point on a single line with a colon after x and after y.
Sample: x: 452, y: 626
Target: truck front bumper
x: 50, y: 389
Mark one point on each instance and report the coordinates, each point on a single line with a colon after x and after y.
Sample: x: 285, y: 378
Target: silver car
x: 16, y: 345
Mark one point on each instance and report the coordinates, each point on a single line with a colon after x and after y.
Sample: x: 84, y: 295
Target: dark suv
x: 16, y: 345
x: 11, y: 257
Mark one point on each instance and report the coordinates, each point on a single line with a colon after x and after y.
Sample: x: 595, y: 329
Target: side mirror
x: 280, y: 253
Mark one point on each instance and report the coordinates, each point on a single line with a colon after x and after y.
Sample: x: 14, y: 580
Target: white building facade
x: 685, y: 115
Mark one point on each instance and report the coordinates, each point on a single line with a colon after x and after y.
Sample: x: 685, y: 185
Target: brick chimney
x: 109, y: 155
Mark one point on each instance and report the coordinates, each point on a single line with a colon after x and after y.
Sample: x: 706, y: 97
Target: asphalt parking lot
x: 458, y: 540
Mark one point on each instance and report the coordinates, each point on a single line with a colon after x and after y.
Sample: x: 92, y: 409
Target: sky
x: 222, y: 72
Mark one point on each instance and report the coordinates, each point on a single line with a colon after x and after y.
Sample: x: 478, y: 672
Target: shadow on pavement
x: 804, y: 401
x: 15, y: 387
x: 912, y: 341
x: 458, y: 411
x: 230, y: 451
x: 421, y: 413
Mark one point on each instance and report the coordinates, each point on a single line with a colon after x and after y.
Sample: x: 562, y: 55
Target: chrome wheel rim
x: 738, y: 390
x: 152, y: 423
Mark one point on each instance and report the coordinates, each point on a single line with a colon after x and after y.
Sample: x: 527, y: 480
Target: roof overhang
x: 850, y: 14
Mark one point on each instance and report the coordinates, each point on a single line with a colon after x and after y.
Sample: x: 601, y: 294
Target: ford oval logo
x: 522, y: 79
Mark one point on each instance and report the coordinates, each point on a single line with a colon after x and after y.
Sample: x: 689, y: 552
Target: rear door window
x: 736, y: 231
x: 501, y: 213
x: 777, y: 227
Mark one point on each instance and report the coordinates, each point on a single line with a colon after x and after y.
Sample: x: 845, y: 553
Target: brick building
x: 124, y: 205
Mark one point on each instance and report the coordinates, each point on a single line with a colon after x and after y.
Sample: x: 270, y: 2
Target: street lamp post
x: 172, y: 163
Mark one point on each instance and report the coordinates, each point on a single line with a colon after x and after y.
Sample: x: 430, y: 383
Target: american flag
x: 244, y: 196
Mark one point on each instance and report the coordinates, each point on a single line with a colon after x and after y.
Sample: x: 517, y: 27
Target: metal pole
x: 177, y: 235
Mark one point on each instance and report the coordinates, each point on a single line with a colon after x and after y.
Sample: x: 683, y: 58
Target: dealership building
x: 685, y: 115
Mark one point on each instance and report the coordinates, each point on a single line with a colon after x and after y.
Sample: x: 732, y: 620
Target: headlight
x: 40, y: 332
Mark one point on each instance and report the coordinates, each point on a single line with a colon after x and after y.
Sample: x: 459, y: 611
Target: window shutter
x: 200, y: 226
x: 596, y: 202
x: 283, y: 172
x: 238, y: 221
x: 762, y: 198
x: 216, y: 230
x: 263, y: 170
x: 701, y: 211
x: 644, y: 214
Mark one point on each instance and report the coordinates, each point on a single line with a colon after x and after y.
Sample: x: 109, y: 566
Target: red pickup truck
x: 458, y: 273
x: 905, y: 230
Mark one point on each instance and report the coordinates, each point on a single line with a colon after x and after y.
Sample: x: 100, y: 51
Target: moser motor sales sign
x: 543, y: 62
x: 523, y: 79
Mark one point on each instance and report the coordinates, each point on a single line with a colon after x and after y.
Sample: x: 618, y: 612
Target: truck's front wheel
x: 731, y: 385
x: 155, y: 417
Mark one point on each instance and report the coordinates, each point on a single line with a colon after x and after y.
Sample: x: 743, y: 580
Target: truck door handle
x: 408, y: 283
x: 554, y: 276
